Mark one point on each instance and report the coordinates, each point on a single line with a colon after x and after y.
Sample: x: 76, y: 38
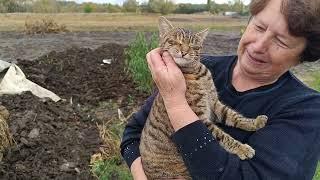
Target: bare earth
x: 18, y: 45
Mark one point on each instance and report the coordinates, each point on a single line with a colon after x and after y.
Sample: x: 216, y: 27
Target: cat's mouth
x: 180, y: 59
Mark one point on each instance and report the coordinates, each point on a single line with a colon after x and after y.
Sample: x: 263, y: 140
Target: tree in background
x: 130, y: 6
x: 238, y: 6
x: 144, y: 7
x: 162, y: 6
x: 110, y: 8
x: 190, y: 8
x: 209, y: 5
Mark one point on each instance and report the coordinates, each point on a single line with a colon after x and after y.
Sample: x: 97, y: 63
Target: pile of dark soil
x: 80, y: 74
x: 52, y: 140
x: 56, y: 140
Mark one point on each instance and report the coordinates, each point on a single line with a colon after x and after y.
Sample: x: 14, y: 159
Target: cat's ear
x: 164, y: 26
x: 203, y: 34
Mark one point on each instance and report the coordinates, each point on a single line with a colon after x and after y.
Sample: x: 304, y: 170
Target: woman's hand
x: 167, y: 76
x: 137, y: 170
x: 172, y: 87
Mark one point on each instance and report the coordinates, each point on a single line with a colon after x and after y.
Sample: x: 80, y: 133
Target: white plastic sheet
x: 15, y: 82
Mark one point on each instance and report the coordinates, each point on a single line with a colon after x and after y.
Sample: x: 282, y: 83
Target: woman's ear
x: 164, y: 26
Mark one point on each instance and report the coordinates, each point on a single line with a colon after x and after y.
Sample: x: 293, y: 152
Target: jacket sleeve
x: 132, y: 132
x: 289, y: 139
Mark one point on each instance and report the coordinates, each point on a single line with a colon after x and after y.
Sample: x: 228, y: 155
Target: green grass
x: 136, y: 62
x: 315, y: 83
x: 111, y: 169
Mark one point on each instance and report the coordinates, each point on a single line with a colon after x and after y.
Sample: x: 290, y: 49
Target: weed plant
x: 136, y: 63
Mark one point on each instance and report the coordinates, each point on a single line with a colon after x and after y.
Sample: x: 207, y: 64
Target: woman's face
x: 266, y: 49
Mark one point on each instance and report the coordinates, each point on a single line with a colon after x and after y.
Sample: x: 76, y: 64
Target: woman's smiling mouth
x: 254, y: 60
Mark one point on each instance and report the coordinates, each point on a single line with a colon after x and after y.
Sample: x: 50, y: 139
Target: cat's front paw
x: 260, y: 121
x: 245, y: 152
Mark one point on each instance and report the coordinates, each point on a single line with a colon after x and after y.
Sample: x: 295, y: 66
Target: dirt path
x: 17, y: 45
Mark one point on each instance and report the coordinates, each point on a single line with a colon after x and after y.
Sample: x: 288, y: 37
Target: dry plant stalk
x: 45, y: 25
x: 111, y: 141
x: 6, y: 139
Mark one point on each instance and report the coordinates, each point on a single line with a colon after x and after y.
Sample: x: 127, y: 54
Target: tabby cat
x: 159, y: 155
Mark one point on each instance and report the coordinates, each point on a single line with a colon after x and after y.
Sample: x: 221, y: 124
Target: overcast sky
x: 176, y: 1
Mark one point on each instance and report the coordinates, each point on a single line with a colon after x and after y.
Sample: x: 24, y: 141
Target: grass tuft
x: 136, y: 60
x: 111, y: 169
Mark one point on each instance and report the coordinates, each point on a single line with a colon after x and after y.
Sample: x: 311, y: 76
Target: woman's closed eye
x: 281, y: 43
x: 260, y: 28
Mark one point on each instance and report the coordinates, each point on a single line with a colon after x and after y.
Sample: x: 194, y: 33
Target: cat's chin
x: 181, y: 62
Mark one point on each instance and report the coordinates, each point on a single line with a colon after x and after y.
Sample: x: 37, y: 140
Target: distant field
x: 121, y: 21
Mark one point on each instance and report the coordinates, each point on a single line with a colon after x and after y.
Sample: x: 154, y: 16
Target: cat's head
x: 182, y: 44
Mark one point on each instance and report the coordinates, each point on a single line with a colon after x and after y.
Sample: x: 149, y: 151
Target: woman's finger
x: 168, y: 60
x: 156, y: 59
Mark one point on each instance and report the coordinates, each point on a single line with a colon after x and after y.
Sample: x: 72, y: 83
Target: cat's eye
x: 195, y: 47
x: 172, y: 41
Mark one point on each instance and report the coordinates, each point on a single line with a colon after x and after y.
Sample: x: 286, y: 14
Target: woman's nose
x: 262, y: 43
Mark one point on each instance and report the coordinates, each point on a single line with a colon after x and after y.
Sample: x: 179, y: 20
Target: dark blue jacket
x: 287, y: 148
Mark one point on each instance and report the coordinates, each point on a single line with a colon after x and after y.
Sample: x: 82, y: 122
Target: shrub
x: 136, y: 60
x: 87, y: 8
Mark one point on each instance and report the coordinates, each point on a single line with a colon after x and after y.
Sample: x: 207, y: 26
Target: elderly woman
x: 280, y: 35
